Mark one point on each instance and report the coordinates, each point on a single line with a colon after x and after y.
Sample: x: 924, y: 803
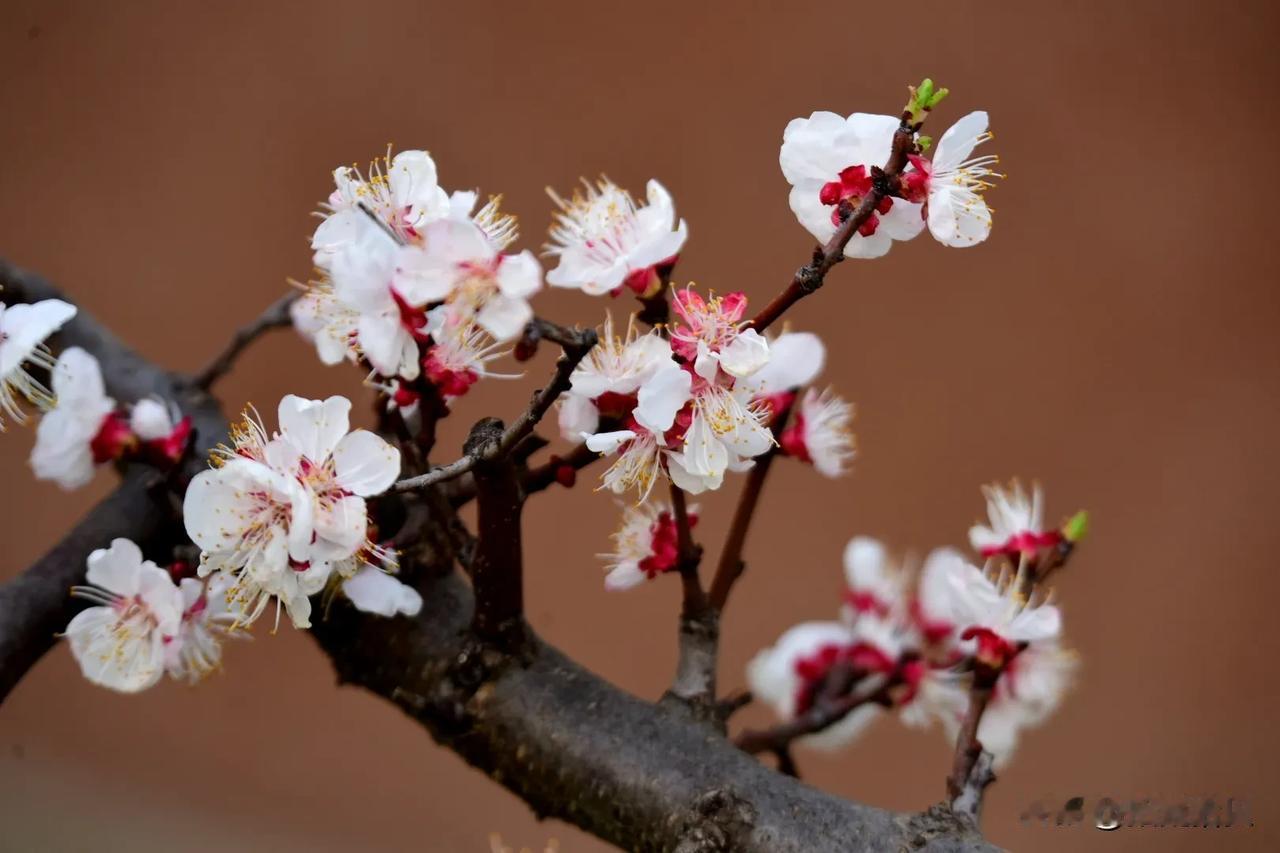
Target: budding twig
x: 810, y: 277
x: 275, y: 316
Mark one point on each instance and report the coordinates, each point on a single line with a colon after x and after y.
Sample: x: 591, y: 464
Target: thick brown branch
x: 35, y: 604
x: 275, y: 316
x: 811, y: 276
x: 497, y: 569
x: 644, y: 777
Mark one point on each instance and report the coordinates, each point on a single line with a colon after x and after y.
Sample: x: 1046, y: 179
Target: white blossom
x: 207, y: 618
x: 1015, y: 522
x: 604, y: 240
x: 645, y: 545
x: 957, y: 214
x: 63, y: 451
x: 827, y: 159
x: 23, y: 331
x: 786, y: 676
x: 820, y: 432
x: 121, y: 642
x: 279, y: 511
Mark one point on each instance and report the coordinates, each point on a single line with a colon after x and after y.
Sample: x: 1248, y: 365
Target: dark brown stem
x: 731, y: 564
x: 810, y: 277
x: 497, y: 569
x: 275, y: 316
x: 695, y: 680
x: 971, y: 769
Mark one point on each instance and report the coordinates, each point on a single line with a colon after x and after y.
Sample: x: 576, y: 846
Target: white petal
x: 342, y: 524
x: 313, y: 426
x: 958, y: 142
x: 519, y: 275
x: 117, y: 568
x: 608, y: 442
x: 795, y: 360
x: 365, y: 464
x: 150, y: 420
x: 748, y: 352
x: 374, y: 591
x: 660, y: 398
x: 504, y: 317
x: 578, y: 415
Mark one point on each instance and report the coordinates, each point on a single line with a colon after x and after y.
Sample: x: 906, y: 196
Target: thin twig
x: 731, y: 564
x: 970, y: 773
x: 810, y: 277
x: 576, y: 343
x: 275, y: 316
x: 829, y: 707
x: 689, y: 555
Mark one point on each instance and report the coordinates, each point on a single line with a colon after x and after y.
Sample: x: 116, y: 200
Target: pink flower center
x: 114, y: 439
x: 847, y: 192
x: 664, y: 547
x: 1027, y: 542
x: 993, y: 650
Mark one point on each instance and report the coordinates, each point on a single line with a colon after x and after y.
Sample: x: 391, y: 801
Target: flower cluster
x: 280, y: 516
x: 691, y: 405
x: 145, y: 622
x: 829, y: 161
x: 414, y: 284
x: 918, y: 644
x: 84, y: 427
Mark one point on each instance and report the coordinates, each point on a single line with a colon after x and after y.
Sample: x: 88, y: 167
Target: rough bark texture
x: 642, y: 775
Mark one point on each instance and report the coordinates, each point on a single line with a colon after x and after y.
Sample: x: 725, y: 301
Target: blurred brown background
x: 1115, y: 339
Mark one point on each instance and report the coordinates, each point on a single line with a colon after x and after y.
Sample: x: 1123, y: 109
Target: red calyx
x: 665, y: 545
x: 1026, y: 542
x: 172, y: 447
x: 413, y: 319
x: 792, y: 440
x: 994, y: 651
x: 114, y: 440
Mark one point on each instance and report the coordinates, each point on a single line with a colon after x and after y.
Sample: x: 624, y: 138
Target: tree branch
x: 695, y: 680
x: 731, y: 564
x: 35, y: 605
x: 971, y: 771
x: 576, y: 343
x: 497, y: 569
x: 811, y: 276
x: 641, y: 776
x: 275, y: 316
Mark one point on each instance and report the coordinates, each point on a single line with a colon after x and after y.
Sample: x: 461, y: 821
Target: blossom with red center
x: 82, y: 429
x: 280, y: 513
x: 820, y: 433
x: 403, y: 194
x: 120, y: 643
x: 161, y: 428
x: 951, y: 184
x: 646, y: 545
x: 787, y: 675
x: 604, y: 241
x: 1015, y: 523
x: 827, y: 159
x: 711, y: 337
x: 872, y: 585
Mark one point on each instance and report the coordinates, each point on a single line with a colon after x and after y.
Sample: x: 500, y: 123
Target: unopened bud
x: 1076, y: 528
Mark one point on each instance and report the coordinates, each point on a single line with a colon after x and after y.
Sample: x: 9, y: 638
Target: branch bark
x: 644, y: 776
